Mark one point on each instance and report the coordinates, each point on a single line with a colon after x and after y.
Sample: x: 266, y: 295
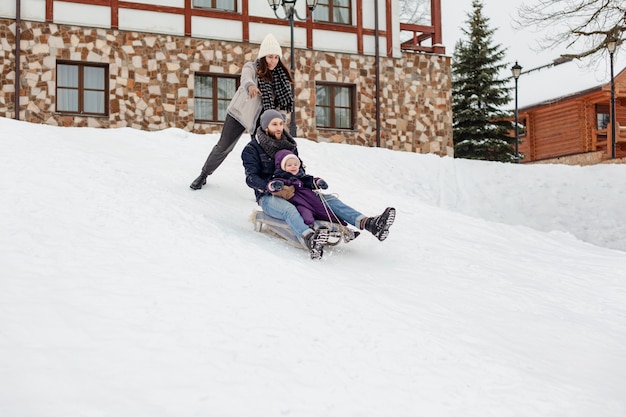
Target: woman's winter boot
x: 198, y: 182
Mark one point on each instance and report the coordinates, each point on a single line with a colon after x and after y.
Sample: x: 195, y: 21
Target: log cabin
x: 575, y: 128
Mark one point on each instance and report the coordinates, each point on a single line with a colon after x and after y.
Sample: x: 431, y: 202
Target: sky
x: 522, y: 46
x: 500, y: 290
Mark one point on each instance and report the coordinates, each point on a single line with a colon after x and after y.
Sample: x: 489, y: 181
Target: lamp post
x: 18, y: 76
x: 517, y: 71
x: 611, y: 46
x: 289, y: 7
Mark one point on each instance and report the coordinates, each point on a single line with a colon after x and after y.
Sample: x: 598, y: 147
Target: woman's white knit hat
x: 270, y: 46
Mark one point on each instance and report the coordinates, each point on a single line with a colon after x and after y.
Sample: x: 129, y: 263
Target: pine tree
x: 480, y: 127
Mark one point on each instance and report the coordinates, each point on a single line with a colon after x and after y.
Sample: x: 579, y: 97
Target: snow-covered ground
x: 501, y: 290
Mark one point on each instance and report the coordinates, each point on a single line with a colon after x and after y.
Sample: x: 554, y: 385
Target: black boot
x: 316, y: 241
x: 379, y: 225
x: 198, y: 182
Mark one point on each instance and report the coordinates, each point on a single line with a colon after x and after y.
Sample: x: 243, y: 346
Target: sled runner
x: 337, y: 232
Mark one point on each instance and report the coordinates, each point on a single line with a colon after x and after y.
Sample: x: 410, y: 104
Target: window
x: 603, y: 116
x: 334, y: 106
x: 228, y: 5
x: 212, y: 94
x: 334, y: 11
x: 521, y: 126
x: 82, y: 88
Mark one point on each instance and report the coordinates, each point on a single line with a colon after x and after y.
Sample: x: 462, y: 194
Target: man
x: 258, y: 161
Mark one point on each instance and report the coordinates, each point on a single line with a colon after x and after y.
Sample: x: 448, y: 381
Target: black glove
x: 321, y: 184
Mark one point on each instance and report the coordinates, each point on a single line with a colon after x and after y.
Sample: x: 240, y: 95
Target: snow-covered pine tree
x: 480, y: 126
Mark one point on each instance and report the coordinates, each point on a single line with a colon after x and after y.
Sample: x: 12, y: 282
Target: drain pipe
x: 18, y: 75
x: 377, y: 63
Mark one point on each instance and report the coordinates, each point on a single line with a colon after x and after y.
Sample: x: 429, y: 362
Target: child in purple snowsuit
x: 289, y: 171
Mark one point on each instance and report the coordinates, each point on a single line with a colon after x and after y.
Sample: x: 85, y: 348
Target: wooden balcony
x: 423, y: 39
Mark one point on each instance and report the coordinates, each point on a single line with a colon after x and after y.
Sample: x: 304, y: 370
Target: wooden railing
x: 423, y: 39
x: 603, y: 140
x: 600, y: 141
x: 620, y: 133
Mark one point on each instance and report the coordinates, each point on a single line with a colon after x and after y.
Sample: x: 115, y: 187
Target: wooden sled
x: 262, y: 222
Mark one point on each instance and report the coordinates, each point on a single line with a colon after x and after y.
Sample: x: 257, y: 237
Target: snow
x: 500, y: 291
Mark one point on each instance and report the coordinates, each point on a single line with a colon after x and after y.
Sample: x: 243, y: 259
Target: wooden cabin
x: 575, y: 125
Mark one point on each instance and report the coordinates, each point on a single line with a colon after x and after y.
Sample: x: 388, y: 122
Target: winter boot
x: 198, y: 182
x: 316, y: 241
x: 379, y: 225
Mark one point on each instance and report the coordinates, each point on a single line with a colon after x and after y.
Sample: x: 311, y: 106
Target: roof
x: 580, y: 93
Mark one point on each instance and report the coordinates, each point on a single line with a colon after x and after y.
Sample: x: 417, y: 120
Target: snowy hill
x: 500, y: 291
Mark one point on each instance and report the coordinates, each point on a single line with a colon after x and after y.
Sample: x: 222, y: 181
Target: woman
x: 265, y: 84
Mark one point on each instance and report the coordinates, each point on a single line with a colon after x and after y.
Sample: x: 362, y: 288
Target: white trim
x: 82, y: 14
x: 154, y: 22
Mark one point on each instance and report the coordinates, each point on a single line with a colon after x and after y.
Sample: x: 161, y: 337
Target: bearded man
x: 258, y: 161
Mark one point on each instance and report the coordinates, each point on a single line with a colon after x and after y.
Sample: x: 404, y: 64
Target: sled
x: 337, y: 232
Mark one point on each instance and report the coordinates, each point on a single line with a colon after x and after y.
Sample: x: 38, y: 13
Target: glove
x: 285, y: 192
x: 321, y: 184
x: 275, y: 185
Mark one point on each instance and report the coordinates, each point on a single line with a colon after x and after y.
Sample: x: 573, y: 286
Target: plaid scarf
x: 276, y: 94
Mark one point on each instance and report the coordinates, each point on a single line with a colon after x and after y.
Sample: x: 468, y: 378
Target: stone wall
x: 151, y: 84
x: 586, y: 158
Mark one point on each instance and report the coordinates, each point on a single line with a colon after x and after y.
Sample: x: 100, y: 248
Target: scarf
x: 276, y: 94
x: 271, y: 145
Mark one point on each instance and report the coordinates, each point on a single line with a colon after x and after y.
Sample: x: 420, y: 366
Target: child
x: 289, y: 171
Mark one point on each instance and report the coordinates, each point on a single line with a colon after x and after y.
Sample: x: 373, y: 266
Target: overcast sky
x: 521, y: 46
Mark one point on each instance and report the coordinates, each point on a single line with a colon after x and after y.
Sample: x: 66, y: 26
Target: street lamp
x: 289, y: 7
x: 517, y: 71
x: 611, y: 46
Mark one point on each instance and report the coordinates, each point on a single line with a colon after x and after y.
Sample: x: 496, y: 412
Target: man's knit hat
x: 268, y: 116
x: 270, y: 46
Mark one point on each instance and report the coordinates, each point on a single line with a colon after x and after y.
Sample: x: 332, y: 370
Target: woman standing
x: 265, y: 84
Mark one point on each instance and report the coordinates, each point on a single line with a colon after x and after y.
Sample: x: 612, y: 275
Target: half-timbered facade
x: 175, y: 63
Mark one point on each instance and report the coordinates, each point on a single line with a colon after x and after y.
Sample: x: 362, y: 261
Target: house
x: 175, y: 64
x: 576, y: 128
